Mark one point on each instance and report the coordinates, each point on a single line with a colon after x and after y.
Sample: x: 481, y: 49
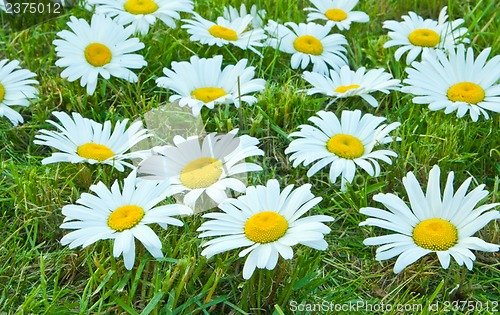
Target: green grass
x: 39, y: 276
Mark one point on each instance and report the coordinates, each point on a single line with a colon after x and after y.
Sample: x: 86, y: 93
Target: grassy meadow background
x: 40, y: 276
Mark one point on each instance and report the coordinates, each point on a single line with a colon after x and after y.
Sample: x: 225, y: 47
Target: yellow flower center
x: 140, y: 6
x: 208, y: 94
x: 424, y: 37
x: 336, y: 15
x: 98, y: 54
x: 308, y: 44
x: 125, y: 217
x: 345, y: 88
x: 94, y: 151
x: 2, y: 92
x: 265, y: 227
x: 201, y: 173
x: 345, y: 146
x: 435, y: 234
x: 223, y: 32
x: 468, y: 92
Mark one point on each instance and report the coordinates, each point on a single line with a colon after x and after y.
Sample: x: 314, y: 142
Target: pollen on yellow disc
x: 345, y: 88
x: 336, y: 15
x: 223, y: 32
x: 140, y: 6
x: 468, y: 92
x: 435, y: 234
x: 308, y: 44
x: 98, y: 54
x: 94, y: 151
x: 265, y: 227
x: 345, y: 146
x: 201, y: 173
x: 208, y: 94
x: 125, y: 217
x: 2, y: 92
x: 424, y: 37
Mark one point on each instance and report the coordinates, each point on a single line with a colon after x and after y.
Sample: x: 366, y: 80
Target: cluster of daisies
x: 209, y: 172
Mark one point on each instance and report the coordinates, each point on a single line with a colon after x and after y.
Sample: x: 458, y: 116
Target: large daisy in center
x: 209, y: 167
x: 444, y: 225
x: 201, y: 82
x: 344, y: 144
x: 267, y: 222
x: 309, y: 43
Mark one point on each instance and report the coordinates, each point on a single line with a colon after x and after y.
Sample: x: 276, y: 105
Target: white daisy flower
x: 344, y: 144
x: 200, y: 82
x: 268, y: 223
x: 83, y: 140
x: 101, y: 48
x: 210, y: 167
x: 141, y: 14
x: 348, y: 83
x: 230, y: 13
x: 121, y: 215
x: 455, y: 81
x: 337, y: 13
x: 224, y: 32
x: 415, y: 34
x: 307, y: 43
x: 432, y: 223
x: 15, y: 89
